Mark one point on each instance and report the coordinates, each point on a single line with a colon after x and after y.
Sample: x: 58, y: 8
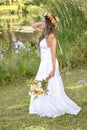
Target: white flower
x: 41, y: 89
x: 39, y: 84
x: 32, y: 88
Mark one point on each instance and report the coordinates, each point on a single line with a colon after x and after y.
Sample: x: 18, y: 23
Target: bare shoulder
x: 51, y: 36
x: 52, y: 40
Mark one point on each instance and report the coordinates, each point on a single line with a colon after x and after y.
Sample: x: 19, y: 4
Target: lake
x: 16, y: 30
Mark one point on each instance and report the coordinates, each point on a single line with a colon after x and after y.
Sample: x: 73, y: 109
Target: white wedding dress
x: 56, y: 103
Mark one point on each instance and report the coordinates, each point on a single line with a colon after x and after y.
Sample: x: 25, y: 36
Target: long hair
x: 50, y: 28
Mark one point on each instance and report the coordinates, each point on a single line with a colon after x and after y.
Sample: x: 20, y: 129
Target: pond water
x: 16, y: 30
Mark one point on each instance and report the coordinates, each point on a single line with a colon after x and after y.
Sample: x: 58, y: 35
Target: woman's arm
x: 39, y: 26
x: 52, y: 44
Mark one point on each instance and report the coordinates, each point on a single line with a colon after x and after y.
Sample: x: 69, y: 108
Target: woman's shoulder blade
x: 51, y: 36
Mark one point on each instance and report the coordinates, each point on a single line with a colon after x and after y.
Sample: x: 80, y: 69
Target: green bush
x: 25, y: 64
x: 19, y: 66
x: 8, y: 9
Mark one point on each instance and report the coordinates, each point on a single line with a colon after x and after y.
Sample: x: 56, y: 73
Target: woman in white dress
x: 56, y: 103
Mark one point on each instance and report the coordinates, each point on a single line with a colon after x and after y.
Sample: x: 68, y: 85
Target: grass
x: 14, y: 104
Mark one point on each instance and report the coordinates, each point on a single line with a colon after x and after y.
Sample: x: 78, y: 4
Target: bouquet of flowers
x: 37, y: 87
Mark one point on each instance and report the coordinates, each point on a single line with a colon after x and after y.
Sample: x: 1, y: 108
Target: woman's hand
x: 51, y: 73
x: 39, y: 26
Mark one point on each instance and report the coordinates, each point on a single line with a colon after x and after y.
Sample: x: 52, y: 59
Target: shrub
x: 18, y: 66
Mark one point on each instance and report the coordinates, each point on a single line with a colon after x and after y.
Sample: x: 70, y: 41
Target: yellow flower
x: 49, y: 15
x: 39, y: 92
x: 51, y: 18
x: 38, y: 87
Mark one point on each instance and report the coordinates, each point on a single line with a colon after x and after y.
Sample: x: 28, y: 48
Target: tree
x: 9, y: 2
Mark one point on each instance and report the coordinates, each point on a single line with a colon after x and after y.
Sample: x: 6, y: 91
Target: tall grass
x: 72, y: 20
x: 72, y: 25
x: 73, y: 54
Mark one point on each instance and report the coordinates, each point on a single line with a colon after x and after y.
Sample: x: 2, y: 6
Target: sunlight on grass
x: 47, y: 128
x: 4, y: 17
x: 36, y: 128
x: 17, y: 106
x: 5, y: 7
x: 75, y: 86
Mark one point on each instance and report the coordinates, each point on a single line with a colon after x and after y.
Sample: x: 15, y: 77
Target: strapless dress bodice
x: 45, y: 51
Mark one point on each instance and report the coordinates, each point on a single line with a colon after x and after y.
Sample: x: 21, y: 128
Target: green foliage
x: 8, y: 9
x: 74, y: 54
x: 18, y: 66
x: 72, y: 25
x: 25, y: 64
x: 71, y: 31
x: 20, y: 6
x: 72, y: 22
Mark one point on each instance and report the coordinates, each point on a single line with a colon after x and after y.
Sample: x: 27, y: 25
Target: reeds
x: 72, y: 20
